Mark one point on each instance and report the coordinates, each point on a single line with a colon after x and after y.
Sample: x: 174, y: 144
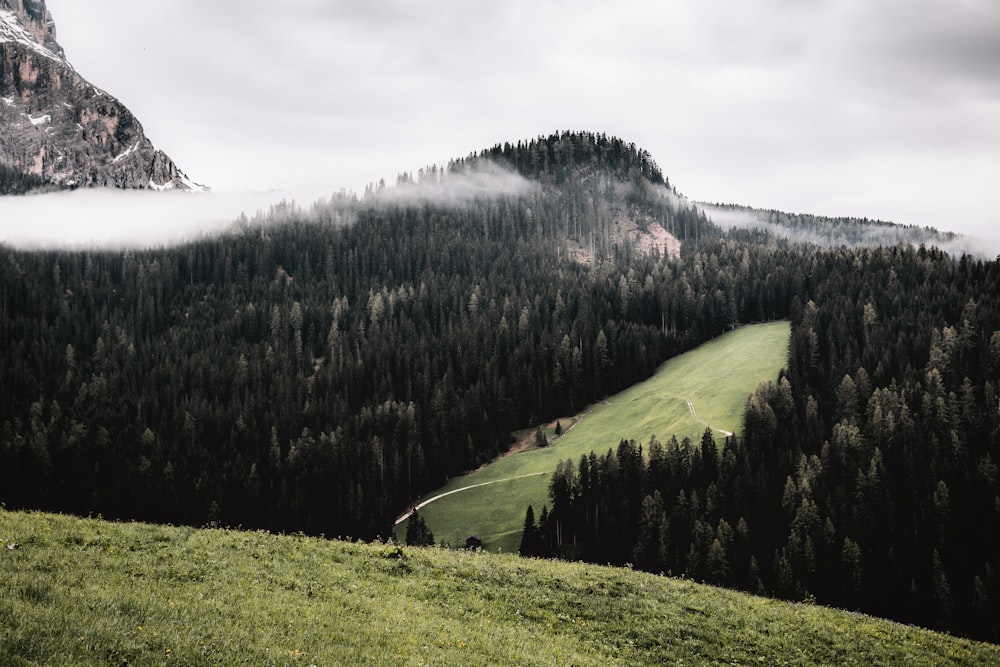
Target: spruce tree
x: 417, y: 532
x: 530, y: 539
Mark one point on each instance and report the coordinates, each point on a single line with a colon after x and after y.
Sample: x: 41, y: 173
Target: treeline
x: 865, y: 476
x: 317, y: 369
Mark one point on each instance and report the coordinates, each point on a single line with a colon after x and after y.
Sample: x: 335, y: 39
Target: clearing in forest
x: 707, y: 386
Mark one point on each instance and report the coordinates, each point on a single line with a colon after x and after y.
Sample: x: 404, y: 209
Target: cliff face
x: 56, y: 125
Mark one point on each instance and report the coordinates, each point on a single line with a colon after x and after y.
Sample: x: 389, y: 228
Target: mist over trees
x: 318, y: 368
x: 834, y: 232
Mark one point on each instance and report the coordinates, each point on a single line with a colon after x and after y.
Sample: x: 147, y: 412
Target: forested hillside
x: 316, y: 369
x: 865, y: 476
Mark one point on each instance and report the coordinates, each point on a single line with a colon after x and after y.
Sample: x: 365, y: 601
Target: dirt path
x: 694, y: 413
x: 464, y: 488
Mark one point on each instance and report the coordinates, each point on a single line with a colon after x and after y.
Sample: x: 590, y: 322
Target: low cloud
x: 874, y: 233
x: 113, y: 219
x: 109, y: 219
x: 455, y: 187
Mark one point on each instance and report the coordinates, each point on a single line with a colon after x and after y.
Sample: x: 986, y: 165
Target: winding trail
x: 690, y: 405
x: 409, y: 513
x: 694, y: 414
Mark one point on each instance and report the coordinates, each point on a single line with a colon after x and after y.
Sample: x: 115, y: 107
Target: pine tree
x: 417, y: 532
x: 716, y: 563
x: 530, y: 538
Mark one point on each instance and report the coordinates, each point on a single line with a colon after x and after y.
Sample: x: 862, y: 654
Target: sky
x: 887, y: 109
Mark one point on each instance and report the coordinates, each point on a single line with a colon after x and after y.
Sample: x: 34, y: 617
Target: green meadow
x: 86, y: 592
x: 716, y: 377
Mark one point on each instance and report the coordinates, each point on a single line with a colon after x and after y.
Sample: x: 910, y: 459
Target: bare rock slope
x: 56, y: 125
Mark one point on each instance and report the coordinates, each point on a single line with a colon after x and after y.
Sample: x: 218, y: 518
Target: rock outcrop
x: 56, y: 125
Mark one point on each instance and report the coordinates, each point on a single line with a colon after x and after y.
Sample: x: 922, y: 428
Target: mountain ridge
x: 611, y: 168
x: 57, y: 127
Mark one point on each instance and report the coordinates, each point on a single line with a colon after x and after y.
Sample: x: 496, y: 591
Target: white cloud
x: 104, y: 218
x: 458, y: 187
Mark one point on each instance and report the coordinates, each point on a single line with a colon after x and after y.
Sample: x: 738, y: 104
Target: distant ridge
x: 826, y: 231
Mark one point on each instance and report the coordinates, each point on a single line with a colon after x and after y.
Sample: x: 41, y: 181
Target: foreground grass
x: 86, y: 592
x: 717, y: 377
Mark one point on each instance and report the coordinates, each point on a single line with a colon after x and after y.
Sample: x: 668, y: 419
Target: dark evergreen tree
x: 417, y: 532
x: 531, y: 543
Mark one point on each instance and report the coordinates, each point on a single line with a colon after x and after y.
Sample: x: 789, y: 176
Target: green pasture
x: 716, y: 377
x: 81, y: 592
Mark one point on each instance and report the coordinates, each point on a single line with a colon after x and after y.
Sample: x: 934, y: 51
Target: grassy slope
x: 717, y: 376
x: 87, y: 592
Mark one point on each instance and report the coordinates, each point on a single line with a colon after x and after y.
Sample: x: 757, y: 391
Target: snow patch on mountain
x: 11, y: 30
x: 128, y: 151
x: 182, y: 182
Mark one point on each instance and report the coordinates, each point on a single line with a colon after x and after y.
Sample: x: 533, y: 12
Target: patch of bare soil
x: 526, y: 439
x: 651, y: 236
x: 647, y: 235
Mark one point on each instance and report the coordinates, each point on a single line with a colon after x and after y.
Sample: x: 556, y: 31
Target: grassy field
x: 86, y: 592
x: 717, y: 377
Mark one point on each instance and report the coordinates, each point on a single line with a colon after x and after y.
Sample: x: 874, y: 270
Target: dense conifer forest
x: 317, y: 368
x: 864, y: 477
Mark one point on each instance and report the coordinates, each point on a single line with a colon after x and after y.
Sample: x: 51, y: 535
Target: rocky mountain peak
x: 36, y: 20
x: 58, y: 127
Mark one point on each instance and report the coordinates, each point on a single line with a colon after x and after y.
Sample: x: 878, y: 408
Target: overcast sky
x: 887, y: 109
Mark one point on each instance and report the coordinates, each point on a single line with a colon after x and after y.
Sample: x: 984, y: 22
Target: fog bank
x: 110, y: 219
x: 455, y: 187
x: 874, y: 233
x: 117, y: 219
